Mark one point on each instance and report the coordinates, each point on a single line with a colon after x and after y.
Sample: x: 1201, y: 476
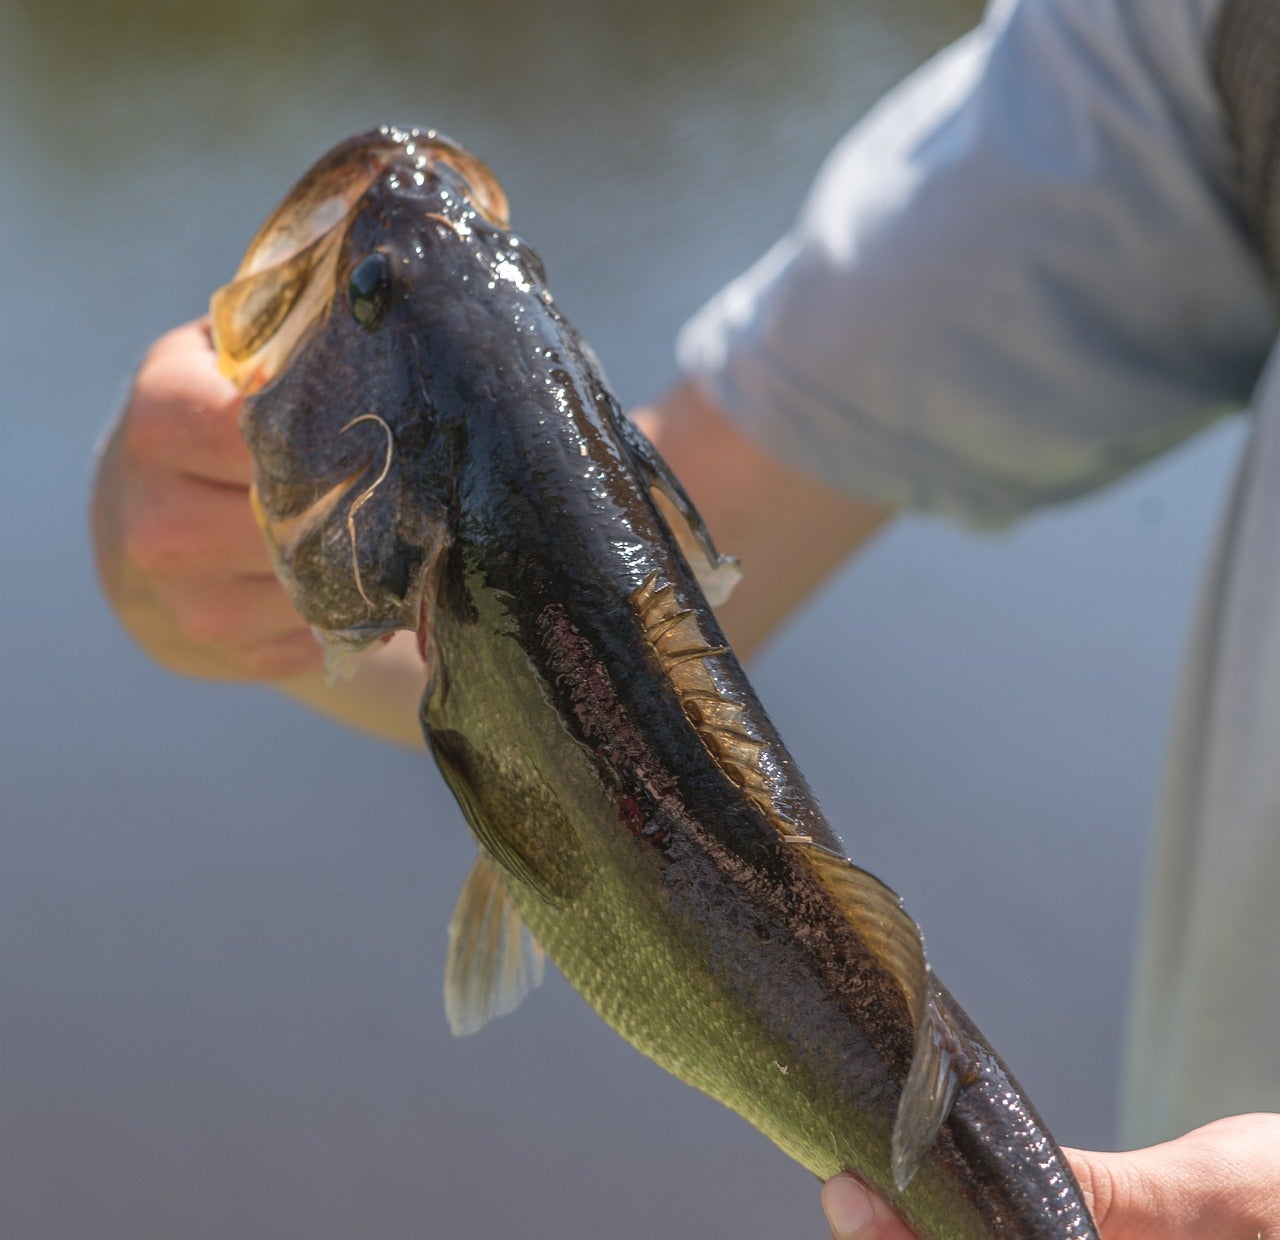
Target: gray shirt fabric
x: 1025, y: 273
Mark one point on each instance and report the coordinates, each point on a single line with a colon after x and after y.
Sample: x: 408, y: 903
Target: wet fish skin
x: 634, y: 806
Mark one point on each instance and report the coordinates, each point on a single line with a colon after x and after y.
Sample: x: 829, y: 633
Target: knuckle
x: 149, y: 424
x: 176, y: 342
x: 148, y: 431
x: 176, y: 389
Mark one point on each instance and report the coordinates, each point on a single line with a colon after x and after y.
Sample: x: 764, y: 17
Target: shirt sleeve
x: 1026, y: 272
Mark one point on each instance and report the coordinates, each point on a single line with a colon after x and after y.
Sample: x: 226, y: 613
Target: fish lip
x: 285, y: 280
x: 320, y: 201
x: 287, y: 277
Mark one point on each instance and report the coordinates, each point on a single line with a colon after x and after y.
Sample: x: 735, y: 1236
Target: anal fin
x: 493, y: 960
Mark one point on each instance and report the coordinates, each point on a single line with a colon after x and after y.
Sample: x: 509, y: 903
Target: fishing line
x: 367, y: 494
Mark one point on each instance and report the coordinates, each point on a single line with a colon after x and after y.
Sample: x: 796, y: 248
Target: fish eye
x: 369, y: 289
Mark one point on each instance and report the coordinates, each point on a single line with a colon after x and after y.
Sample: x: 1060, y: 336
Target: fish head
x: 328, y: 328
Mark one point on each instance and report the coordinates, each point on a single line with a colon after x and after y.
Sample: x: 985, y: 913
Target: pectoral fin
x: 512, y: 813
x: 941, y: 1056
x: 493, y: 960
x: 717, y: 574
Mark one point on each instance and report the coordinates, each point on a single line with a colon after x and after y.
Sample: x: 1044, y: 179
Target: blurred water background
x: 222, y: 919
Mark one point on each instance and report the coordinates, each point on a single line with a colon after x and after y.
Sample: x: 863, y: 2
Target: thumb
x: 856, y: 1213
x: 1220, y: 1182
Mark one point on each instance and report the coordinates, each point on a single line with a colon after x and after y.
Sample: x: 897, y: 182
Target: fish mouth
x: 287, y: 277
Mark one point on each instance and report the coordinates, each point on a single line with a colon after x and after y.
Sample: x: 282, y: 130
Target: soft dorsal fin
x: 493, y: 960
x: 717, y: 574
x: 941, y: 1057
x: 939, y: 1064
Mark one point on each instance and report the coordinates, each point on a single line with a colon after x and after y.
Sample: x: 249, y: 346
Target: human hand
x: 178, y: 552
x: 1220, y: 1182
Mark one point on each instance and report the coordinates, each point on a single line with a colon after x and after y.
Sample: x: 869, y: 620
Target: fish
x: 436, y: 449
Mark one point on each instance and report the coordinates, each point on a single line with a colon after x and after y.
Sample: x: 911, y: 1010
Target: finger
x: 286, y: 657
x: 281, y: 658
x: 856, y: 1213
x: 265, y: 641
x: 183, y: 413
x: 245, y: 630
x: 233, y: 615
x: 176, y: 527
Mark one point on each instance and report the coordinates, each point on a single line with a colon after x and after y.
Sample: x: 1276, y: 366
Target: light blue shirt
x: 1025, y: 273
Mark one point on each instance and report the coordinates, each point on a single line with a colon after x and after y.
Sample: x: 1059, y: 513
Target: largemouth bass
x: 436, y: 449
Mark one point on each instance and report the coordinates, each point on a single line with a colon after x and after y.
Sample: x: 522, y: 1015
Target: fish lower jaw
x: 343, y: 649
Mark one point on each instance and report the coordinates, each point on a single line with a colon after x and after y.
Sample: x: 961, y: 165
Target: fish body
x: 436, y: 448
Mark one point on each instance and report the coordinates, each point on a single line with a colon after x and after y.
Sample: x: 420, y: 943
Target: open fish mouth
x: 287, y: 277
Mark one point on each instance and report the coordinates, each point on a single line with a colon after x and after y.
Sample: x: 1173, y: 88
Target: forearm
x: 790, y: 531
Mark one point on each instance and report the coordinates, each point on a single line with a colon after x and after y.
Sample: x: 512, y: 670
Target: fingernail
x: 847, y: 1206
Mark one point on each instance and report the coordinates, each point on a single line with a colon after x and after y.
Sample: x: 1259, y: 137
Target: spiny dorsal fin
x: 717, y: 574
x: 941, y: 1056
x: 676, y: 638
x: 493, y: 960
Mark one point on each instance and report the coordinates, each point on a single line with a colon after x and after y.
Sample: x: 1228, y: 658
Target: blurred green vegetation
x: 103, y: 79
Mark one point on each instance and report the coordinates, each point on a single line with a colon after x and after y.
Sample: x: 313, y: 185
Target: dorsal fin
x: 717, y: 574
x: 674, y: 634
x: 940, y: 1055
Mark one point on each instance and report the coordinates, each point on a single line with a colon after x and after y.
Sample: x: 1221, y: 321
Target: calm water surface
x: 222, y: 920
